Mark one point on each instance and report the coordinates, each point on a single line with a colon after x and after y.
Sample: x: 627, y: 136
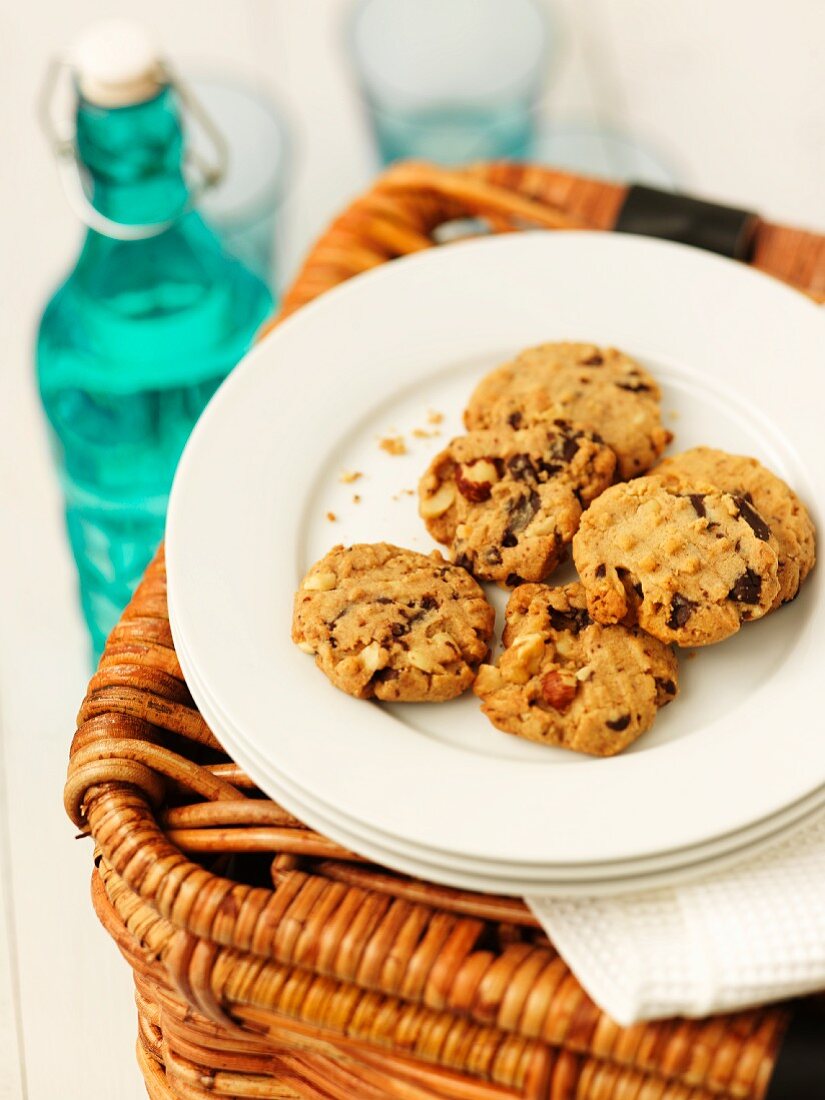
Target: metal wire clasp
x: 73, y: 178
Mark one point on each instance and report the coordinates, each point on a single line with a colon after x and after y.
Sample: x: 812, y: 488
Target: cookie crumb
x: 434, y: 417
x: 356, y: 498
x: 692, y: 655
x: 422, y: 433
x: 348, y: 476
x: 331, y: 516
x: 674, y: 414
x: 393, y: 445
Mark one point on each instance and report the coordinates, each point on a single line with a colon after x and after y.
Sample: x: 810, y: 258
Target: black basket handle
x: 675, y: 217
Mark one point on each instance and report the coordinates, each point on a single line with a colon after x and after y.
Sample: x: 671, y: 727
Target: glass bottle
x: 139, y: 336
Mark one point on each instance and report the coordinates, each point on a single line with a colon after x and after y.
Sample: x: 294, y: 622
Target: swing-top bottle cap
x: 116, y: 63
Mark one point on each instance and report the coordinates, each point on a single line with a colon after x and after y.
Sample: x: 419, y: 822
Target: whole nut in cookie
x: 475, y: 480
x: 558, y: 689
x: 439, y: 502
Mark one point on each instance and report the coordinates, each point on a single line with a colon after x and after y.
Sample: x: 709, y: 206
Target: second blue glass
x: 450, y: 81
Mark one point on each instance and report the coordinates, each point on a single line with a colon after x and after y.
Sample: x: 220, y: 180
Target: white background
x: 728, y: 92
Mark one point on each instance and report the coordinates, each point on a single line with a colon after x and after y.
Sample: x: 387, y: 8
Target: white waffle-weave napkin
x: 748, y: 935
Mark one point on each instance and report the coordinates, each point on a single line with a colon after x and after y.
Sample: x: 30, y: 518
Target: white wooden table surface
x: 729, y: 92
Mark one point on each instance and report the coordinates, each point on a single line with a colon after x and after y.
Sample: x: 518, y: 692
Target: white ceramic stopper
x: 116, y: 63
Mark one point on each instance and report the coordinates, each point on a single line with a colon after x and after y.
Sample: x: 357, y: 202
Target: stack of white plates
x: 735, y: 763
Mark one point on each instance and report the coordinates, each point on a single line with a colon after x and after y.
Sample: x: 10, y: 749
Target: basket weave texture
x: 268, y: 961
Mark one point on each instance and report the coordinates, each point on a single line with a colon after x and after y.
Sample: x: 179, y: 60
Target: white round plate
x: 733, y: 350
x: 500, y: 879
x: 351, y: 833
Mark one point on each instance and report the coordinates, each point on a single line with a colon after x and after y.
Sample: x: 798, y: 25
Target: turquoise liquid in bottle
x: 133, y: 345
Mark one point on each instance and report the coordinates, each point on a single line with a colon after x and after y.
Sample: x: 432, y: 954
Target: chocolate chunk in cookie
x: 566, y: 680
x: 392, y: 624
x: 600, y: 389
x: 766, y: 502
x: 507, y: 503
x: 647, y: 554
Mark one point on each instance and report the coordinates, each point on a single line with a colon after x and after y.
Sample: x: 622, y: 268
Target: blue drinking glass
x: 450, y: 81
x: 605, y: 153
x: 244, y: 207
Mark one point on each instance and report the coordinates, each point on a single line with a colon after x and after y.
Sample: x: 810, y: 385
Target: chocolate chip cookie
x: 688, y: 567
x: 600, y: 389
x: 566, y: 680
x: 792, y: 533
x: 388, y: 623
x: 508, y: 503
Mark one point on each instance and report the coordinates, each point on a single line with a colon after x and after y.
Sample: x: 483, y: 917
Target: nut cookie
x: 566, y: 680
x: 792, y: 530
x: 508, y: 503
x: 687, y: 567
x: 392, y: 624
x: 600, y: 389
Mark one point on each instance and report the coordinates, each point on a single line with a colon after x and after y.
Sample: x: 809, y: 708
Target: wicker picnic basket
x: 268, y: 961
